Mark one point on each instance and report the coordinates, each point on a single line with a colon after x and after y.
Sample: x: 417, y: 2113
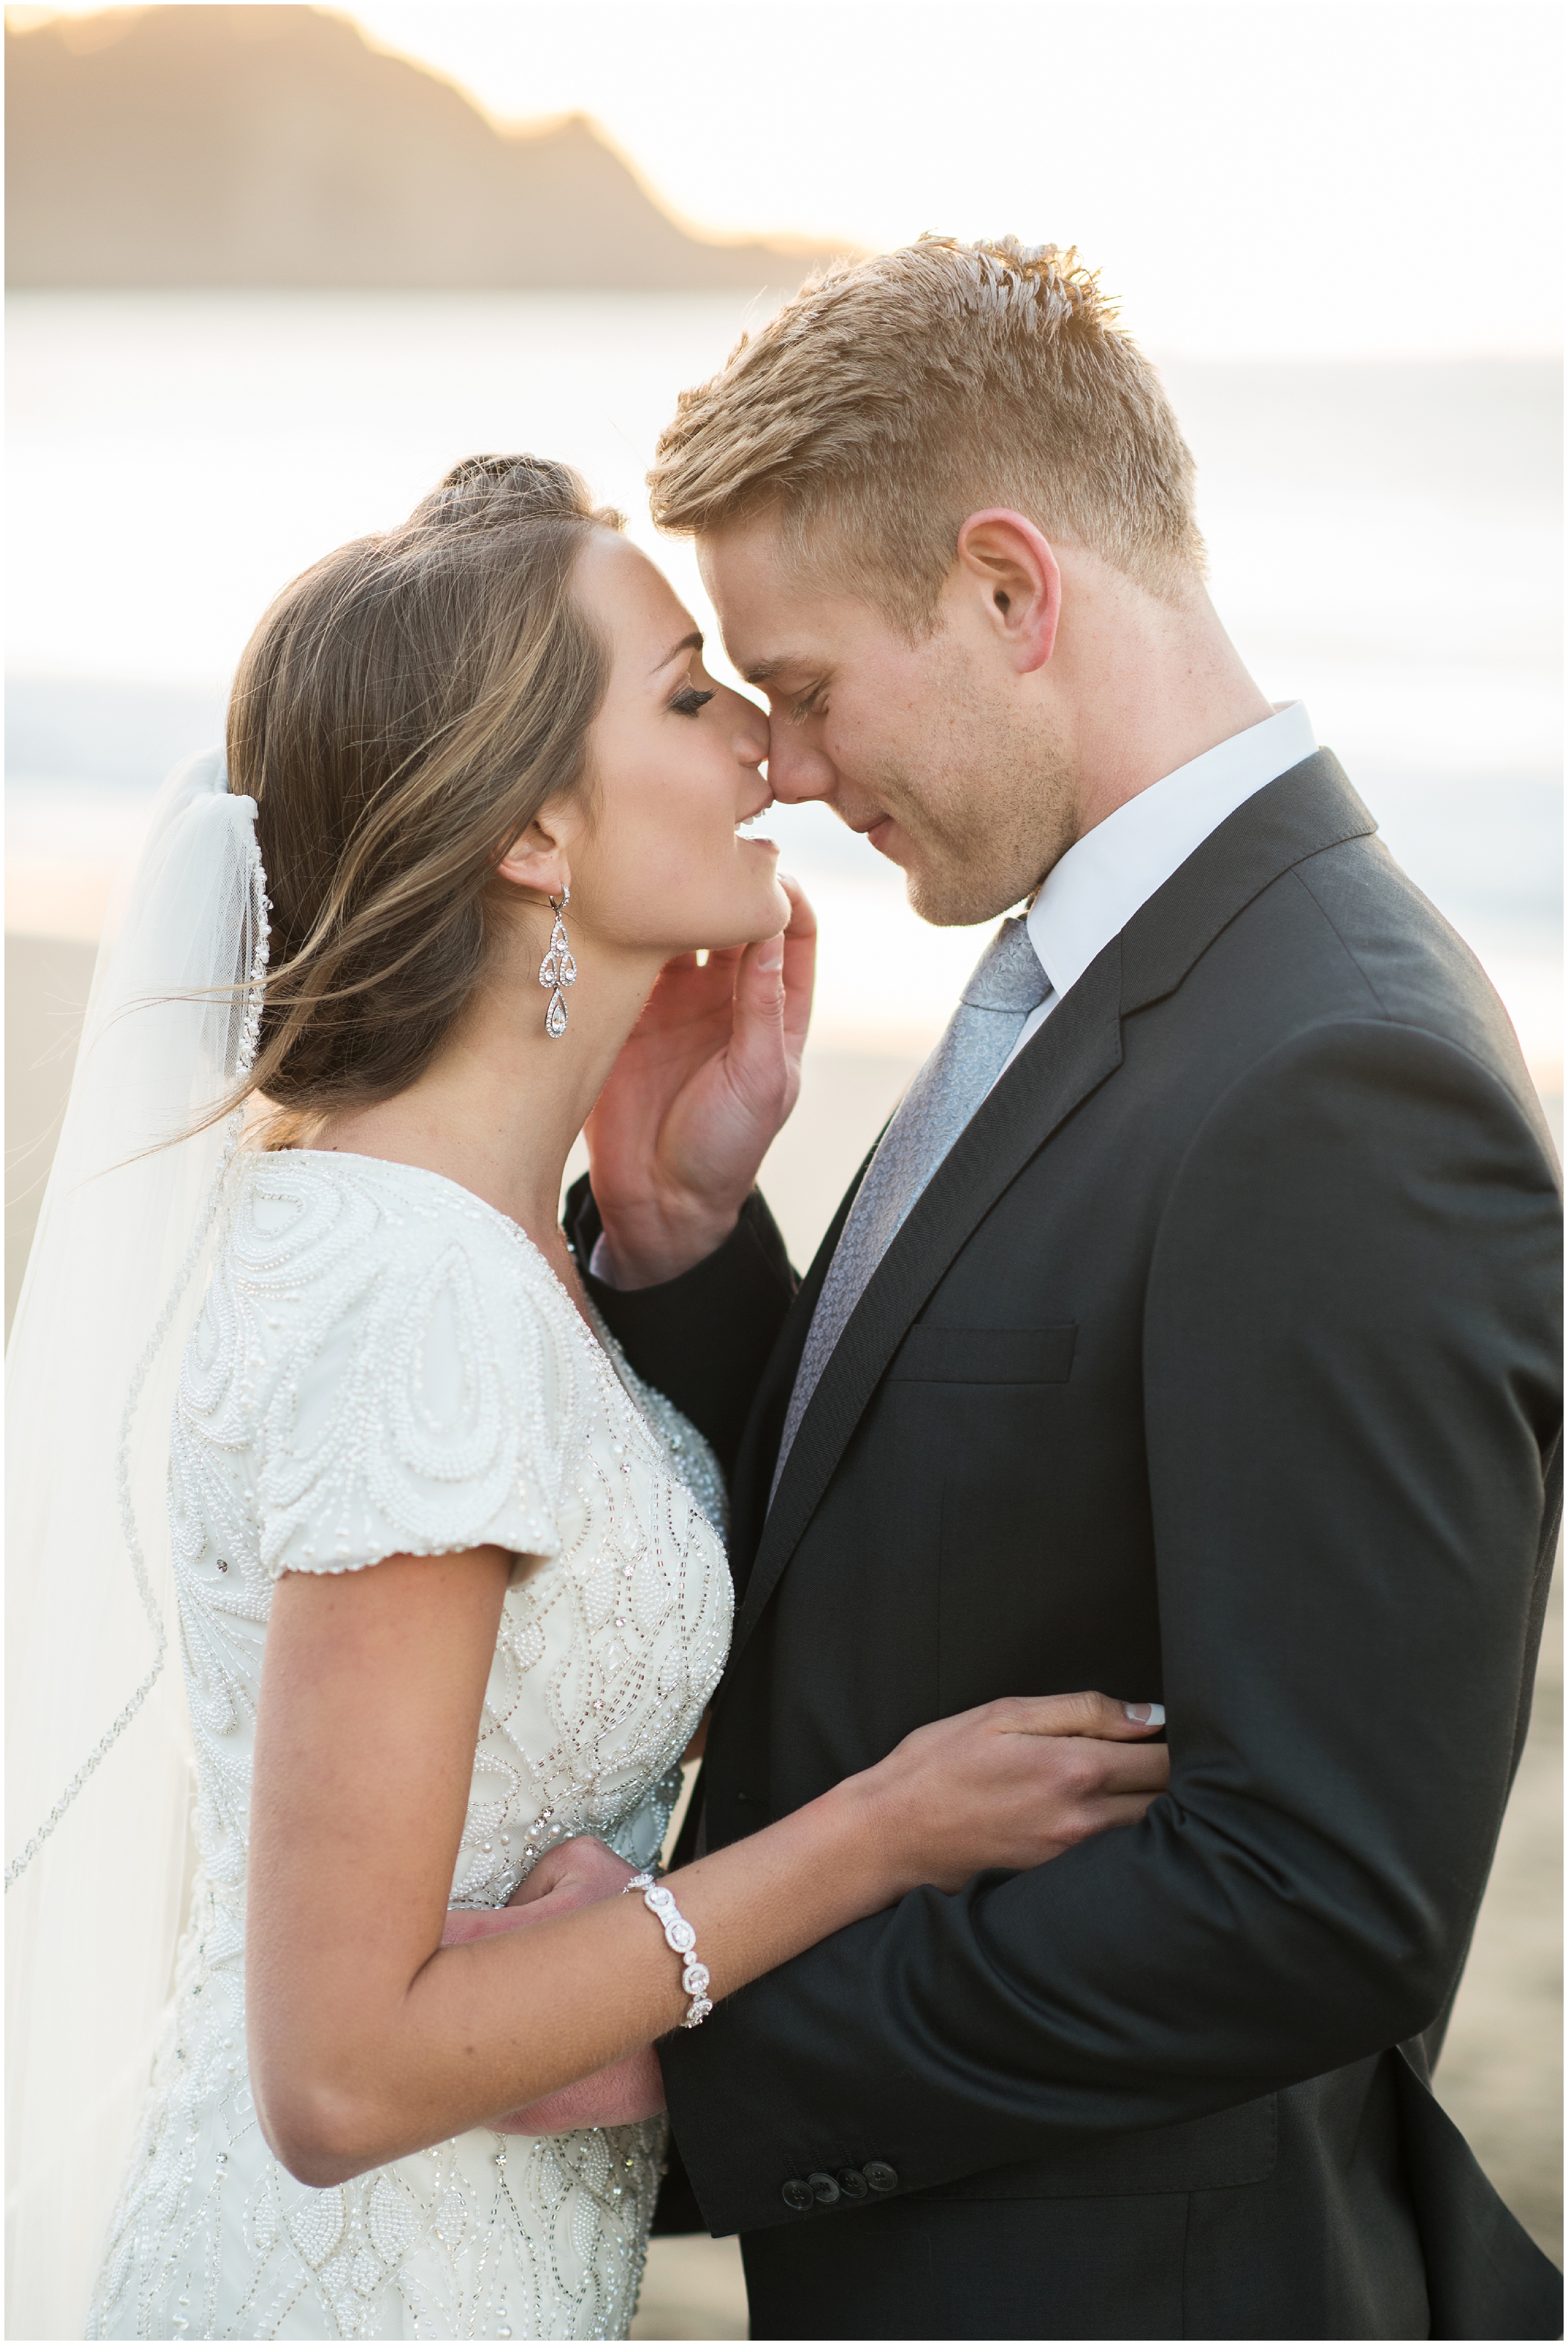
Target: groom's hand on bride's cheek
x: 694, y: 1101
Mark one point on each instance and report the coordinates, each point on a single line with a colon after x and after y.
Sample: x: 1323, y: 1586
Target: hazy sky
x: 1321, y: 179
x: 1287, y: 178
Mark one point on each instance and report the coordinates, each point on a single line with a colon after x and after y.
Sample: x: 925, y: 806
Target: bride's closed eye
x: 689, y: 700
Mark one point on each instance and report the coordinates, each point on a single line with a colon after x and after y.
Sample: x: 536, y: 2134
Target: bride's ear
x: 537, y: 860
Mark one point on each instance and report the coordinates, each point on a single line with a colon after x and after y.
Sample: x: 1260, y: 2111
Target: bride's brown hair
x: 401, y: 714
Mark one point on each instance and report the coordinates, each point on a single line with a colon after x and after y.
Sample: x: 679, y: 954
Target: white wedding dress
x: 385, y: 1365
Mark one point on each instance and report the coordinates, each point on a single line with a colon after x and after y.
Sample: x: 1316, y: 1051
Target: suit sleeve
x: 705, y: 1338
x: 1351, y: 1396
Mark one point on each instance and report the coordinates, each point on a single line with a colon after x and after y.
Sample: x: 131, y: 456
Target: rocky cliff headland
x: 274, y: 147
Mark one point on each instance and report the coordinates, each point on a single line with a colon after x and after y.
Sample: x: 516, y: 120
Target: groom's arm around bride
x: 1207, y: 1353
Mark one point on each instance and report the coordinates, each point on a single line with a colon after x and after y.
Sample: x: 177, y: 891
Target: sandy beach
x: 1500, y: 2074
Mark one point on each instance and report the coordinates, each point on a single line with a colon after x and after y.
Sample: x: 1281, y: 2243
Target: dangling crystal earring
x: 558, y: 969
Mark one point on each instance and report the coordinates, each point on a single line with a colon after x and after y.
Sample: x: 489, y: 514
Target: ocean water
x: 1385, y: 545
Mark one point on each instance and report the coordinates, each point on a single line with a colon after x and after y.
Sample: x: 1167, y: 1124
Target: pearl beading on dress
x: 385, y: 1365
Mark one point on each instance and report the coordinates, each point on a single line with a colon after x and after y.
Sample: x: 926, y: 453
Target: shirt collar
x: 1113, y: 870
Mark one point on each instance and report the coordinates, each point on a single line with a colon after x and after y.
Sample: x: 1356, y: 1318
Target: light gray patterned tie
x: 1007, y: 983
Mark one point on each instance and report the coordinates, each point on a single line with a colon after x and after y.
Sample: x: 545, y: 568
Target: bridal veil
x: 98, y: 1791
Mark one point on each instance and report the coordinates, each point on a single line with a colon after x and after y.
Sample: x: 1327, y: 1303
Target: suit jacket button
x: 824, y: 2189
x: 852, y: 2182
x: 880, y: 2177
x: 797, y: 2196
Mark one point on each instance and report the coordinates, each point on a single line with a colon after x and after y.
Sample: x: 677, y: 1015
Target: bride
x: 449, y: 1581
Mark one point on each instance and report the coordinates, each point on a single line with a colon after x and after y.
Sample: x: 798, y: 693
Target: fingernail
x: 1145, y: 1713
x: 772, y: 954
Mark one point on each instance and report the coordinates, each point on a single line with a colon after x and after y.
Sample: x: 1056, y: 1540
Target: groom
x: 1190, y: 1333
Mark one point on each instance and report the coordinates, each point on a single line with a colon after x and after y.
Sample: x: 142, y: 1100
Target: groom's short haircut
x: 894, y: 396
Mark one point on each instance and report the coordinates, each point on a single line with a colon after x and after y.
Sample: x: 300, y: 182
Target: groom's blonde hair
x: 894, y: 396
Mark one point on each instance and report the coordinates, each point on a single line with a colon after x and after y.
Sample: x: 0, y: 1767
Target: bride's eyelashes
x: 689, y: 700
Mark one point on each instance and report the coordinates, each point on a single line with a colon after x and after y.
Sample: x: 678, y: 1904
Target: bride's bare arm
x: 369, y: 2040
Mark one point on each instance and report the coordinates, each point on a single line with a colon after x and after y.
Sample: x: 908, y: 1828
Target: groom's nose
x: 796, y: 771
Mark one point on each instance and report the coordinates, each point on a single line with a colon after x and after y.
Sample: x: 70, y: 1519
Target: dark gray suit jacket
x: 1219, y: 1364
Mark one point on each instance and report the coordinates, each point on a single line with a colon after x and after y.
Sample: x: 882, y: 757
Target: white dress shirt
x: 1093, y: 892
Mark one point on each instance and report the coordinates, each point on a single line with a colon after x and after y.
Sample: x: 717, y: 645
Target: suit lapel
x: 1303, y: 812
x: 1071, y: 1055
x: 1308, y: 809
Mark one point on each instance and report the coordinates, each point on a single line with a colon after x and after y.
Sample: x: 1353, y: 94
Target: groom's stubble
x: 987, y: 802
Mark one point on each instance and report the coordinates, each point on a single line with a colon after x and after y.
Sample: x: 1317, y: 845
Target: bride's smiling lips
x: 745, y: 838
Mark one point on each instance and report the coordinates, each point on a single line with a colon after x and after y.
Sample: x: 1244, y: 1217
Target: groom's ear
x: 1008, y: 565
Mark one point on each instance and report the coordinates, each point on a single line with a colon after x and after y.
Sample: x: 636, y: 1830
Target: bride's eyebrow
x: 692, y: 642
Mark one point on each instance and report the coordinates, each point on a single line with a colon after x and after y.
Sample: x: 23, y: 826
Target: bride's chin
x: 762, y: 905
x: 780, y: 911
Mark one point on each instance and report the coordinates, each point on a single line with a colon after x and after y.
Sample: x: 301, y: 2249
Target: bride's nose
x: 750, y: 733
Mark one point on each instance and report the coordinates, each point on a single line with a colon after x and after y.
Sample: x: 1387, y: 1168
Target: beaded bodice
x: 385, y: 1365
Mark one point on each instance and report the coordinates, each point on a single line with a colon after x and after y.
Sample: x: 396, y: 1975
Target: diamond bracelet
x: 681, y: 1939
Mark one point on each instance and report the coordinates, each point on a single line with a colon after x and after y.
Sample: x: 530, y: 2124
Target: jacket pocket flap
x: 985, y: 1356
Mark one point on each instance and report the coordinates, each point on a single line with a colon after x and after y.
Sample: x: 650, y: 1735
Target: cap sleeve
x: 412, y: 1410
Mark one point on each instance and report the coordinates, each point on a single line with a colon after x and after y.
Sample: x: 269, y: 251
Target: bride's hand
x: 1012, y: 1784
x: 707, y: 1076
x: 576, y: 1872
